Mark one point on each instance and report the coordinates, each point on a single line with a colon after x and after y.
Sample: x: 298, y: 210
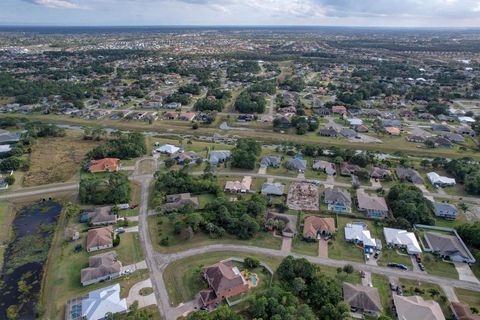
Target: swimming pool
x: 253, y: 279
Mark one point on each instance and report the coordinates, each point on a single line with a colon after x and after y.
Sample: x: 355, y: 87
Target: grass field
x: 304, y: 247
x: 391, y: 255
x: 7, y: 213
x: 129, y: 250
x: 438, y: 267
x: 382, y: 284
x: 183, y: 279
x: 470, y: 298
x: 182, y: 242
x: 57, y: 159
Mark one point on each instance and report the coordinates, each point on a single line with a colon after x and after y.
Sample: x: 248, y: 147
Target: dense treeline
x: 267, y: 86
x: 217, y: 104
x: 296, y: 84
x: 109, y: 188
x: 245, y: 154
x: 128, y: 146
x: 239, y: 71
x: 248, y: 102
x: 409, y: 206
x: 174, y: 182
x: 466, y: 171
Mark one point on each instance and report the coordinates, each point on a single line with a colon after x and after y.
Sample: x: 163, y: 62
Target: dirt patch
x: 57, y: 159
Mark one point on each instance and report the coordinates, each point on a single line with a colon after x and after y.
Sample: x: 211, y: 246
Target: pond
x: 24, y: 259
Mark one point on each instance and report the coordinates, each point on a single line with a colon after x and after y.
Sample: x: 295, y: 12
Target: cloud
x: 58, y: 4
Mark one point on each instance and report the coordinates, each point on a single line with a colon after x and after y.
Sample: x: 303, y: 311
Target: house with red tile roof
x: 104, y: 165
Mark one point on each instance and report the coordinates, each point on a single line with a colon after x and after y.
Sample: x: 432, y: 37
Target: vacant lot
x: 57, y: 159
x: 6, y: 217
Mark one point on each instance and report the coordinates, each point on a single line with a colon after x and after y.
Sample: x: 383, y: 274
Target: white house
x: 168, y: 148
x: 103, y: 301
x: 403, y: 239
x: 466, y: 119
x: 357, y: 233
x: 440, y: 181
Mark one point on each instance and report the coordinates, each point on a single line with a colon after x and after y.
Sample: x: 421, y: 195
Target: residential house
x: 440, y: 127
x: 397, y: 238
x: 440, y: 181
x: 102, y: 216
x: 445, y: 210
x: 415, y: 307
x: 348, y: 133
x: 416, y: 139
x: 239, y: 186
x: 290, y: 223
x: 176, y: 201
x: 273, y: 189
x: 347, y: 169
x: 375, y: 206
x: 170, y: 115
x: 355, y: 122
x: 462, y: 312
x: 466, y: 119
x: 426, y: 116
x: 449, y: 247
x: 380, y: 173
x: 187, y: 116
x: 409, y: 174
x: 392, y: 123
x: 282, y: 122
x: 315, y: 227
x: 337, y: 199
x: 99, y: 239
x: 184, y: 157
x: 361, y: 129
x: 339, y: 110
x: 328, y: 132
x: 104, y: 165
x: 443, y: 117
x: 358, y: 233
x: 393, y: 131
x: 296, y: 164
x: 98, y: 304
x: 3, y: 184
x: 168, y: 149
x: 271, y: 161
x: 218, y: 156
x: 224, y: 281
x: 362, y: 299
x: 441, y: 142
x: 324, y: 166
x: 101, y: 267
x: 466, y: 131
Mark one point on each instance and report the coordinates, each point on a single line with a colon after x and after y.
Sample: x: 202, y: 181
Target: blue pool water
x: 253, y: 279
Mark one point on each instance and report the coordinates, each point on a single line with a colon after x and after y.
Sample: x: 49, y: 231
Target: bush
x: 10, y: 180
x: 251, y: 263
x: 165, y: 242
x: 348, y: 269
x: 116, y: 241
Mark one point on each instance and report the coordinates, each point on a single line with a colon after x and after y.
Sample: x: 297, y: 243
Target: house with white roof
x: 440, y: 181
x: 402, y: 239
x: 168, y: 149
x: 103, y: 301
x: 358, y: 233
x: 239, y: 186
x: 466, y: 119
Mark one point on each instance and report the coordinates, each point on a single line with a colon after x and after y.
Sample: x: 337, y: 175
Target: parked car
x: 120, y: 230
x: 393, y: 286
x: 375, y: 256
x: 402, y: 266
x: 418, y: 258
x: 421, y: 266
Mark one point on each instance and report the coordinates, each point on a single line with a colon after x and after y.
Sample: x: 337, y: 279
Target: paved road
x: 43, y: 191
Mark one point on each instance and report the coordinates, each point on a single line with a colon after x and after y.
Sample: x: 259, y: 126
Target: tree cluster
x: 245, y: 154
x: 128, y: 146
x: 409, y: 206
x: 111, y: 188
x: 174, y: 182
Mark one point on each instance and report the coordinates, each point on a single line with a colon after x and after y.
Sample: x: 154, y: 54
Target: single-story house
x: 393, y: 131
x: 355, y: 122
x: 348, y: 133
x: 445, y: 210
x: 380, y: 173
x: 402, y: 239
x: 409, y: 174
x: 338, y: 200
x: 347, y: 169
x: 104, y: 165
x: 290, y: 228
x: 325, y: 166
x: 361, y: 128
x: 441, y: 142
x: 102, y: 216
x: 375, y: 206
x: 101, y: 267
x: 270, y: 161
x: 449, y: 247
x: 168, y: 149
x: 339, y: 109
x: 358, y: 233
x: 440, y: 127
x: 362, y: 299
x: 224, y: 281
x: 315, y: 227
x: 299, y: 165
x: 466, y: 119
x: 453, y: 137
x: 176, y: 201
x: 391, y: 123
x: 187, y: 116
x: 416, y: 139
x: 328, y: 132
x: 415, y: 307
x: 99, y: 239
x: 440, y: 181
x: 238, y: 186
x: 188, y: 156
x: 466, y: 131
x: 218, y: 156
x: 274, y: 189
x: 99, y: 303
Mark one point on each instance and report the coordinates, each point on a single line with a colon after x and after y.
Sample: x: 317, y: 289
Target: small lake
x: 25, y: 256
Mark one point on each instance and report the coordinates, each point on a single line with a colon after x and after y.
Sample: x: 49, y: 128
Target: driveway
x: 132, y: 229
x: 134, y: 294
x: 286, y: 244
x: 465, y: 273
x: 323, y: 248
x: 134, y: 267
x: 367, y: 279
x: 450, y: 293
x: 262, y: 170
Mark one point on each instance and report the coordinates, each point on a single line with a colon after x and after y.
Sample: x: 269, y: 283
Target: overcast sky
x: 408, y: 13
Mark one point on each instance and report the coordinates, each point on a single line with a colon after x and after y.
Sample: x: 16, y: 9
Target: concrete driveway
x: 131, y: 229
x: 323, y: 248
x: 286, y: 244
x: 465, y: 273
x: 262, y: 170
x: 134, y: 267
x: 134, y: 294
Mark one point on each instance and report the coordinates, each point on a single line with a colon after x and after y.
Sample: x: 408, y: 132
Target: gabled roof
x: 409, y: 174
x: 441, y: 208
x: 415, y: 307
x: 106, y: 164
x: 362, y: 297
x: 435, y: 178
x: 102, y: 215
x: 99, y: 237
x: 223, y: 277
x: 402, y: 238
x: 102, y: 301
x: 357, y: 232
x: 217, y: 156
x: 101, y: 265
x: 314, y: 224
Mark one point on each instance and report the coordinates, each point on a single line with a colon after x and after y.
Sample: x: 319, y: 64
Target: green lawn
x: 129, y: 250
x: 438, y: 267
x: 383, y: 285
x: 470, y: 298
x: 309, y: 248
x: 281, y: 171
x: 204, y: 199
x: 160, y: 227
x: 412, y: 287
x: 391, y: 255
x: 7, y: 214
x: 183, y: 279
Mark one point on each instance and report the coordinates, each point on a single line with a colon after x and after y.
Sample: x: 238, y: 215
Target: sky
x: 389, y: 13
